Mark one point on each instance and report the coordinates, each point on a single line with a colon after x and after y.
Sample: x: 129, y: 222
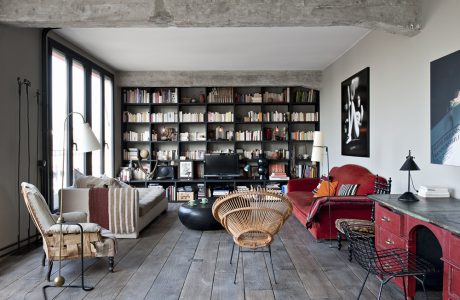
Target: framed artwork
x: 445, y: 110
x: 355, y: 114
x: 186, y: 169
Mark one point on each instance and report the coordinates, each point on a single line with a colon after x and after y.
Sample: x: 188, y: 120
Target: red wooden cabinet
x: 397, y: 230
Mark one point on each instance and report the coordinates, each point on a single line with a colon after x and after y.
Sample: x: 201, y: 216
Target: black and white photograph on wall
x: 355, y: 114
x: 445, y: 110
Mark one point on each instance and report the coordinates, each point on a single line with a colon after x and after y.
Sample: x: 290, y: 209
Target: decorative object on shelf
x: 262, y: 166
x: 186, y: 169
x: 168, y: 134
x: 355, y: 114
x: 220, y: 134
x: 144, y: 154
x: 409, y: 165
x: 165, y: 172
x: 445, y: 110
x: 87, y: 142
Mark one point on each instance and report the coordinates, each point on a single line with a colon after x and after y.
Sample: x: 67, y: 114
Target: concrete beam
x: 396, y: 16
x: 311, y: 79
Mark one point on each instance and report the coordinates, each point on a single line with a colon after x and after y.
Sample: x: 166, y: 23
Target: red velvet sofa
x: 314, y: 212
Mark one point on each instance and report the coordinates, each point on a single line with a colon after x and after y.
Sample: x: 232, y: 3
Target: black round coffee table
x: 199, y: 216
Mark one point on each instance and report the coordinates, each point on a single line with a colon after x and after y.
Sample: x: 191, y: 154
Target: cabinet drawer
x: 389, y: 220
x: 386, y: 239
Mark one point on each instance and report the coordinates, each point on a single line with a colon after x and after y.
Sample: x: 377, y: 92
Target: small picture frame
x: 186, y: 169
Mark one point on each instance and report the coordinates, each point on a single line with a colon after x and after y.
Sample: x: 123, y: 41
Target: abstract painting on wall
x: 355, y: 114
x: 445, y: 110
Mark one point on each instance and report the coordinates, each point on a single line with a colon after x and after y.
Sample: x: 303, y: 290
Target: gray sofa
x: 150, y: 203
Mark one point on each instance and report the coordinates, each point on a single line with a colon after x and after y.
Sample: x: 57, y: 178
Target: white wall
x: 399, y: 97
x: 20, y: 56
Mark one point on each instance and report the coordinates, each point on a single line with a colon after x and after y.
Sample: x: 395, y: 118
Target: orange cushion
x: 322, y: 191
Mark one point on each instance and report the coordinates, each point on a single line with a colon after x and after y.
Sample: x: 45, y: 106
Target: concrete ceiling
x: 196, y: 49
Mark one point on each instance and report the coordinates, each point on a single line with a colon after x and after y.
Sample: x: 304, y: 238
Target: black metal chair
x: 387, y: 264
x: 381, y: 186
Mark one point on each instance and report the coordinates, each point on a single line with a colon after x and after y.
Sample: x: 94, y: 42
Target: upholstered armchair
x: 97, y: 242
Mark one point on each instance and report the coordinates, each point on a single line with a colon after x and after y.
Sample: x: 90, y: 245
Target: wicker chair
x: 252, y: 218
x: 96, y: 241
x: 386, y: 264
x: 362, y: 226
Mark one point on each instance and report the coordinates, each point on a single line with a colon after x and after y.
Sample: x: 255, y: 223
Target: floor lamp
x: 317, y: 155
x: 86, y: 141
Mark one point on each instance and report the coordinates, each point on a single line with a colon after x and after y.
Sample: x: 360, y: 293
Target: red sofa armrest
x: 302, y: 184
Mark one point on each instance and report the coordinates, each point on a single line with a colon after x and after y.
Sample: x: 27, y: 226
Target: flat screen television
x: 221, y: 165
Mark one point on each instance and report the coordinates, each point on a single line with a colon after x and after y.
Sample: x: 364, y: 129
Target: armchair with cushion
x: 97, y: 242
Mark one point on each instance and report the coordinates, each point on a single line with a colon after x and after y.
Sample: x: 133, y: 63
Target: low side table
x: 198, y: 216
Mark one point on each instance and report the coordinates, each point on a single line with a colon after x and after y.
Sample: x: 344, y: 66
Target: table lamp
x: 409, y: 165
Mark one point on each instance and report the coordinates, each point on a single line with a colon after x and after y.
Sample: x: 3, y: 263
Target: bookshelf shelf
x: 144, y: 103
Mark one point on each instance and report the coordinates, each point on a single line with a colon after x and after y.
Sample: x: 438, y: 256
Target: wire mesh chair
x: 252, y: 218
x: 381, y: 186
x: 387, y: 264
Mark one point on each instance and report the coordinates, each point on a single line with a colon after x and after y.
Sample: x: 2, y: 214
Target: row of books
x: 136, y: 117
x: 130, y: 154
x: 220, y: 117
x: 306, y: 171
x: 191, y: 117
x: 221, y: 95
x: 276, y: 116
x: 304, y: 117
x: 171, y: 193
x: 248, y: 135
x: 248, y: 98
x: 132, y: 136
x: 302, y: 135
x: 276, y: 97
x: 164, y: 96
x: 164, y: 117
x: 136, y: 96
x: 192, y: 136
x: 308, y: 96
x: 194, y: 154
x: 165, y: 154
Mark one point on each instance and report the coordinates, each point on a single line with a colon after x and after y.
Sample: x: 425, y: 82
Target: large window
x: 78, y: 85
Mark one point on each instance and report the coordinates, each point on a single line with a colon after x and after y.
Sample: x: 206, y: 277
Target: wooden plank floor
x: 169, y: 261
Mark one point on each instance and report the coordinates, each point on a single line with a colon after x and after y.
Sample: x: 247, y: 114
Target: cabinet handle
x: 385, y: 219
x: 389, y: 242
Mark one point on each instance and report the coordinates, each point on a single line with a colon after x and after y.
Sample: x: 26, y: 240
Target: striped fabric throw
x: 347, y: 190
x: 123, y: 205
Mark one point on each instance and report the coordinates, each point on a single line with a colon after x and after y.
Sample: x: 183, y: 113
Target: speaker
x: 165, y: 172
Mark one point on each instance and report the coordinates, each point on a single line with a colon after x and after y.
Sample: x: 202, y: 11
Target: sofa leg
x: 111, y: 261
x: 339, y: 240
x: 50, y: 268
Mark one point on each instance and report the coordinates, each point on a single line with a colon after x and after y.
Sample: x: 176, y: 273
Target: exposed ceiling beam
x: 396, y: 16
x: 311, y: 79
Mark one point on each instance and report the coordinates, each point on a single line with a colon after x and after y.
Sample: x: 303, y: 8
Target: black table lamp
x: 409, y: 165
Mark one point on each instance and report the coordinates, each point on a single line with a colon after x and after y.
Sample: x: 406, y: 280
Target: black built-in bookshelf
x: 281, y: 125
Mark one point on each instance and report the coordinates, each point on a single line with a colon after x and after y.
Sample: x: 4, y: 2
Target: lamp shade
x: 317, y: 154
x: 409, y: 164
x: 318, y: 139
x: 85, y: 139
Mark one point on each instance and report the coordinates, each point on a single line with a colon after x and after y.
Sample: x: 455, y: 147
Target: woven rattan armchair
x: 252, y: 218
x: 96, y: 241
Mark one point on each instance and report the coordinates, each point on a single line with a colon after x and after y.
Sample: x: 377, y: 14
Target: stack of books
x: 433, y: 192
x: 279, y: 176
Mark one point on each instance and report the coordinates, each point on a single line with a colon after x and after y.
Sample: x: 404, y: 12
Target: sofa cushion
x: 347, y: 189
x: 327, y: 189
x: 300, y: 199
x: 148, y: 198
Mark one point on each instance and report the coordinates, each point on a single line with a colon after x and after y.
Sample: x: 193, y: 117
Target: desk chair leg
x: 237, y: 261
x: 339, y: 240
x: 404, y: 286
x: 422, y: 282
x: 364, y: 283
x: 271, y: 262
x: 382, y: 283
x: 350, y: 252
x: 50, y: 268
x: 231, y: 256
x: 43, y: 258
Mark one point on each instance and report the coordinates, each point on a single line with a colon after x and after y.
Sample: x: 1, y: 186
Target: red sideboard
x: 396, y: 224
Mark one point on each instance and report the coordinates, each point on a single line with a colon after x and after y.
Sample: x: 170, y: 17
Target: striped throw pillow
x: 348, y: 190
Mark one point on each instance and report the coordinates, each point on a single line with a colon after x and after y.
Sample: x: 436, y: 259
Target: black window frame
x: 89, y: 66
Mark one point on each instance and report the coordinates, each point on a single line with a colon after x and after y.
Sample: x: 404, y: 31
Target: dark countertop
x: 442, y: 212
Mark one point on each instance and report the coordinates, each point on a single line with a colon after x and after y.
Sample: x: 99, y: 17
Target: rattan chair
x: 64, y: 242
x: 362, y: 226
x: 386, y: 264
x: 252, y: 218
